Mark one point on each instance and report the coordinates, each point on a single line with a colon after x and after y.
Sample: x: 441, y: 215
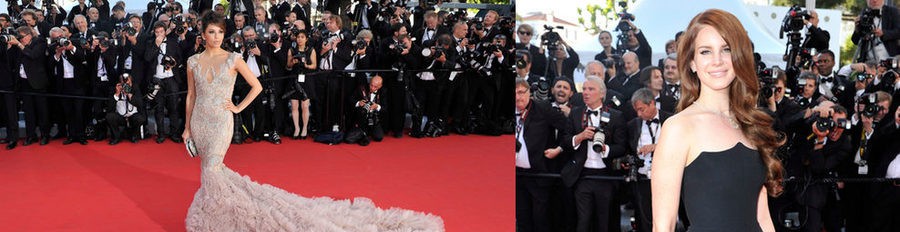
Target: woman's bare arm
x: 668, y: 167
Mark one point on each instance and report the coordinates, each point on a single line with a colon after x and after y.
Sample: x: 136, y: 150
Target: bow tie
x: 655, y: 120
x: 591, y: 112
x: 827, y: 79
x: 428, y: 29
x: 675, y: 86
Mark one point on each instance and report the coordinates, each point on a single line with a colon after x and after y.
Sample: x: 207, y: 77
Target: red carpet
x: 148, y: 187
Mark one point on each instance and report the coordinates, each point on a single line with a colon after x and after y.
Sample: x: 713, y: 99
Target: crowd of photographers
x: 442, y: 67
x: 841, y: 125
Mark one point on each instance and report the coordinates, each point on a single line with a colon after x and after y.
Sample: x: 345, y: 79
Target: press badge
x: 301, y: 78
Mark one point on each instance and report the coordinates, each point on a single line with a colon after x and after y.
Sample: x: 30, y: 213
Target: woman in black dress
x: 717, y: 152
x: 301, y: 60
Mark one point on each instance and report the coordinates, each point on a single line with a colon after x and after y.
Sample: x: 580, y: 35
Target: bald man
x: 367, y: 104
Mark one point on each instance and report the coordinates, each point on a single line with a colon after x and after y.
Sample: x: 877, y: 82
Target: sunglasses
x: 524, y: 33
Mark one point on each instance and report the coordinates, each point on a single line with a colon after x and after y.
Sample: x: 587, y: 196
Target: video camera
x: 793, y: 20
x: 767, y: 78
x: 551, y: 39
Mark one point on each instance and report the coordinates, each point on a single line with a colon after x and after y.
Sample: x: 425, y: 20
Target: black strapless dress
x: 721, y: 190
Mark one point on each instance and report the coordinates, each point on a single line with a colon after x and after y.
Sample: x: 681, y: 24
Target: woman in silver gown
x: 227, y: 201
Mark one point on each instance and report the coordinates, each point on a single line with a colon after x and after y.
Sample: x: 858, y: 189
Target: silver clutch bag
x: 191, y: 148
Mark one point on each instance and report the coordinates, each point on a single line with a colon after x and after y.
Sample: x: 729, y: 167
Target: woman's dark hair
x: 212, y: 18
x: 755, y: 124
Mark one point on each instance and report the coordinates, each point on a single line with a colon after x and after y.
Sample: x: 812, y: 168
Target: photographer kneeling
x: 367, y: 117
x: 125, y: 110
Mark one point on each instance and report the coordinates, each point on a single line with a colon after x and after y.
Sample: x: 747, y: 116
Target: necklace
x: 731, y: 120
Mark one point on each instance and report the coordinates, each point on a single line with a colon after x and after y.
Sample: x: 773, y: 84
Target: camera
x: 827, y: 124
x: 541, y: 89
x: 250, y: 44
x: 624, y: 15
x: 397, y: 47
x: 302, y: 57
x: 860, y: 76
x: 478, y: 22
x: 433, y: 52
x: 359, y: 44
x: 455, y: 16
x: 129, y: 29
x: 630, y: 163
x: 793, y: 20
x: 179, y: 24
x: 520, y: 59
x: 600, y: 133
x: 550, y: 38
x: 866, y: 23
x: 767, y: 81
x: 168, y: 62
x: 7, y: 34
x: 871, y: 105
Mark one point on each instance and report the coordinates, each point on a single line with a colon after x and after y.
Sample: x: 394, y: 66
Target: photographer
x: 627, y: 81
x: 8, y: 79
x: 41, y: 29
x: 540, y: 85
x: 336, y: 53
x: 302, y: 60
x: 256, y: 53
x: 33, y: 77
x: 236, y: 24
x: 563, y: 94
x: 609, y: 54
x: 885, y: 195
x: 537, y: 149
x: 877, y: 31
x: 124, y: 110
x: 613, y: 98
x: 831, y: 86
x: 636, y: 43
x: 130, y: 59
x: 672, y: 86
x: 80, y: 9
x: 642, y: 132
x: 162, y: 56
x: 651, y: 78
x: 809, y: 95
x: 597, y: 137
x: 539, y: 58
x: 72, y: 78
x: 455, y: 101
x: 101, y: 60
x: 817, y: 156
x: 430, y: 85
x: 368, y: 108
x: 564, y: 61
x: 395, y: 53
x: 364, y: 14
x: 95, y: 23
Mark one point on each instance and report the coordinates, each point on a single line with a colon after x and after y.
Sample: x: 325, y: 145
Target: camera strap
x: 520, y: 125
x: 586, y: 119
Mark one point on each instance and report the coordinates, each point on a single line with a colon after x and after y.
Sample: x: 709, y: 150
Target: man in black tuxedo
x: 125, y: 109
x: 613, y: 98
x: 539, y: 63
x: 888, y: 31
x: 31, y: 71
x: 73, y: 78
x: 533, y: 79
x: 818, y: 157
x: 809, y: 95
x: 8, y: 79
x: 886, y: 195
x: 41, y: 28
x: 131, y: 56
x: 367, y: 108
x: 391, y: 58
x: 593, y: 197
x: 455, y: 100
x: 335, y: 54
x: 430, y: 31
x: 101, y: 63
x: 364, y: 14
x: 831, y: 86
x: 672, y: 86
x: 241, y: 7
x: 80, y: 9
x: 158, y: 48
x: 536, y: 147
x: 642, y: 133
x: 651, y: 78
x: 96, y: 23
x: 628, y: 81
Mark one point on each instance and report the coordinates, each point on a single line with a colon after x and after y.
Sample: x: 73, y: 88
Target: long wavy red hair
x: 755, y: 124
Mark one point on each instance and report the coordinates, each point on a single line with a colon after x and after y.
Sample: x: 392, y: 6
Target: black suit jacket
x: 34, y: 58
x: 667, y: 103
x: 81, y: 71
x: 626, y: 88
x: 644, y: 52
x: 634, y: 130
x: 201, y: 5
x: 541, y: 122
x: 568, y: 66
x: 615, y: 137
x: 890, y: 25
x: 816, y: 164
x: 9, y: 74
x: 110, y: 58
x: 151, y: 54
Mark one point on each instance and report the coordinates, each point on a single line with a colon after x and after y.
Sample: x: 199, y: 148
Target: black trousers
x: 855, y: 205
x: 98, y: 109
x: 455, y: 100
x: 267, y: 118
x: 335, y: 95
x: 593, y: 199
x: 36, y: 111
x: 885, y: 206
x: 167, y: 106
x: 643, y: 206
x: 532, y: 204
x: 483, y: 91
x: 395, y: 102
x: 131, y: 124
x: 11, y: 114
x: 73, y: 108
x: 563, y: 216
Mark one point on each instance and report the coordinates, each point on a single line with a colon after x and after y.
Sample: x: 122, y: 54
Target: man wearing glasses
x: 30, y: 68
x: 539, y: 62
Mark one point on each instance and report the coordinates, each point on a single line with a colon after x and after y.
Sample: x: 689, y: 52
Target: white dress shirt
x: 522, y: 160
x: 594, y: 159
